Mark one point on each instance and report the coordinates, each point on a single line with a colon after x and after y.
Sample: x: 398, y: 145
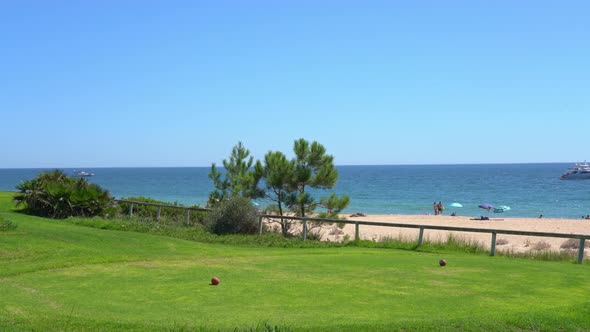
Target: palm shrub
x: 53, y: 194
x: 234, y: 215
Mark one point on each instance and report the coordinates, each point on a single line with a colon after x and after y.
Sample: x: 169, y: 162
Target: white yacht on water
x: 579, y: 171
x: 82, y: 173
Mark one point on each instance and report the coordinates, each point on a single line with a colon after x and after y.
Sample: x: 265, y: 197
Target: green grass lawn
x: 58, y: 276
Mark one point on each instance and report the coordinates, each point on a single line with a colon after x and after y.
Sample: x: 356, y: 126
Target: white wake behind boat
x: 578, y: 172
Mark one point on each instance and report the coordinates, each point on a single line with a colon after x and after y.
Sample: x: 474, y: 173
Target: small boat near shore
x: 580, y: 171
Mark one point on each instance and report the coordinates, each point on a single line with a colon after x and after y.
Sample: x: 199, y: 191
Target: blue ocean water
x: 529, y: 189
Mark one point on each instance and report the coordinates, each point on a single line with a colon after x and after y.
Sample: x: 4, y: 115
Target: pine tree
x: 312, y: 168
x: 240, y: 179
x: 277, y: 176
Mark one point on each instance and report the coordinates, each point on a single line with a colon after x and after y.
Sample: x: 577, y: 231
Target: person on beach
x: 440, y: 207
x: 435, y: 207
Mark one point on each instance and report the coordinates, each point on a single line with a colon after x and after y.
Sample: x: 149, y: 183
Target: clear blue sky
x: 179, y: 83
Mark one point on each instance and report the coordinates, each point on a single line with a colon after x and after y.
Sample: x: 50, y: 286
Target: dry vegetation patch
x: 541, y: 245
x: 501, y: 242
x: 573, y: 244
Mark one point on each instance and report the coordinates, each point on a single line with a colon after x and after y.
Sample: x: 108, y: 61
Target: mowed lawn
x: 57, y: 276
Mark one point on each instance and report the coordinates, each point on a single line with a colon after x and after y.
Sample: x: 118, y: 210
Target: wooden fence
x: 581, y: 237
x: 160, y: 206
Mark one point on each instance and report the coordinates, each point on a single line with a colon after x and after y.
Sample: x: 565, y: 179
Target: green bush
x: 6, y: 225
x: 235, y: 215
x: 53, y: 194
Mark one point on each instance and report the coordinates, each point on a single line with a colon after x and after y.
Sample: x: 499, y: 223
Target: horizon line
x: 342, y: 165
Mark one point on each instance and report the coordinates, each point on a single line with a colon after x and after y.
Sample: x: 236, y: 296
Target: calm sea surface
x: 529, y: 189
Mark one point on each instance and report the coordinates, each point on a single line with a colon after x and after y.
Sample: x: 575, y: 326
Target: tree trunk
x: 284, y: 229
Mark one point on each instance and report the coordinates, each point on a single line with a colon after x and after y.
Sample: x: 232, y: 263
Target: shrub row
x: 168, y: 215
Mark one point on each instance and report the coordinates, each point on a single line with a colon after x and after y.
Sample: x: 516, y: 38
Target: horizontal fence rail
x: 581, y: 237
x: 162, y: 205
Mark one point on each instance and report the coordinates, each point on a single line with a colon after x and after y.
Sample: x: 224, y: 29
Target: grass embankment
x: 59, y: 276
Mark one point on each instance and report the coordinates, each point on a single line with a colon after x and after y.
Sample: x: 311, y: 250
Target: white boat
x: 82, y: 173
x: 578, y: 172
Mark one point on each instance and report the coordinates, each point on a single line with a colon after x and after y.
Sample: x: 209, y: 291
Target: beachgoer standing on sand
x: 435, y: 207
x: 440, y: 208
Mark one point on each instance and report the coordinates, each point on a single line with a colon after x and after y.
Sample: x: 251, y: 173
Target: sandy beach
x: 503, y: 242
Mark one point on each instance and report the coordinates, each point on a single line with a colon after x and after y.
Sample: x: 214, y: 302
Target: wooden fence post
x: 581, y: 251
x: 304, y: 232
x: 356, y: 231
x: 493, y: 252
x: 420, y: 236
x: 158, y: 213
x: 131, y: 210
x: 188, y: 217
